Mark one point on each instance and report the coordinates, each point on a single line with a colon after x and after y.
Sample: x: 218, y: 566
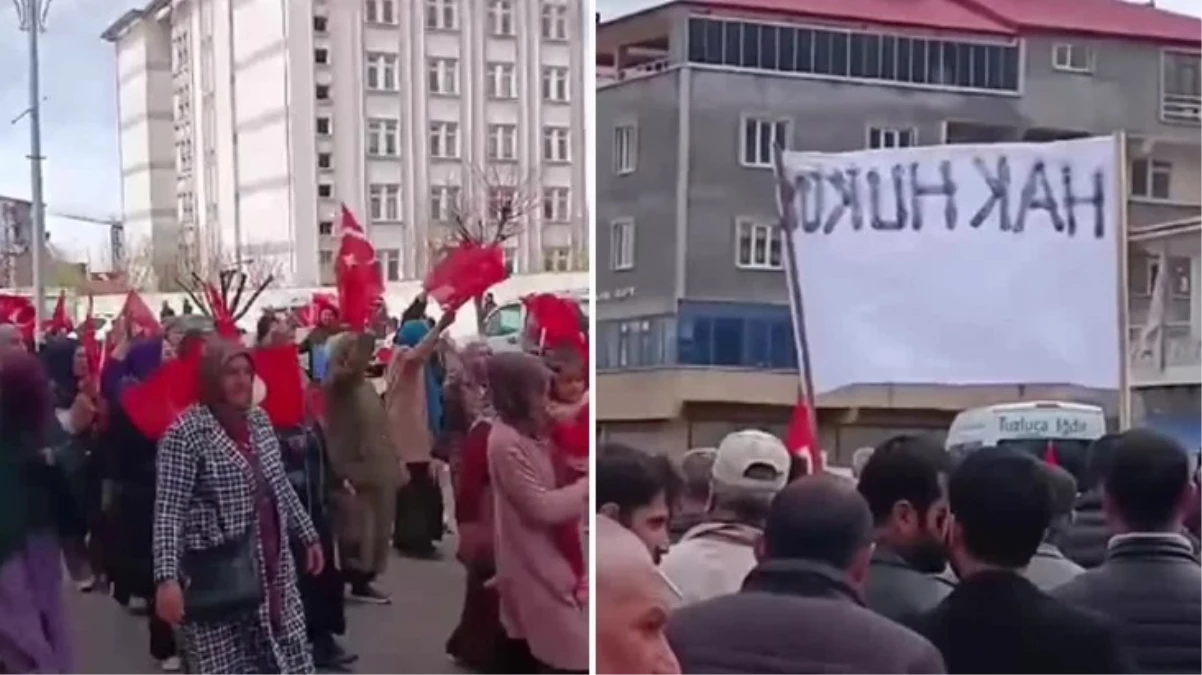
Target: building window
x: 381, y: 71
x: 382, y: 138
x: 444, y: 203
x: 443, y: 76
x: 757, y: 245
x: 503, y: 142
x: 326, y: 258
x: 325, y: 160
x: 500, y: 18
x: 389, y: 260
x: 325, y: 125
x: 444, y: 140
x: 322, y: 92
x: 510, y: 253
x: 442, y: 14
x: 501, y: 81
x: 626, y: 148
x: 325, y: 190
x: 555, y: 84
x: 760, y: 139
x: 557, y: 259
x: 555, y: 21
x: 384, y: 202
x: 380, y: 11
x: 1072, y: 58
x: 621, y: 244
x: 321, y: 55
x: 556, y: 146
x: 320, y: 24
x: 1181, y: 92
x: 854, y: 55
x: 325, y: 228
x: 885, y: 137
x: 1150, y: 178
x: 557, y: 205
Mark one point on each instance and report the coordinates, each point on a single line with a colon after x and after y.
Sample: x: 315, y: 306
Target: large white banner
x: 958, y: 264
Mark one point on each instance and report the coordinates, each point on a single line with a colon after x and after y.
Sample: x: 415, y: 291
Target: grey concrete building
x: 694, y: 335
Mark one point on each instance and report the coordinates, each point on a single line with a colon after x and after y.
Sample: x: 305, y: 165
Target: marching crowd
x: 738, y: 559
x: 240, y: 540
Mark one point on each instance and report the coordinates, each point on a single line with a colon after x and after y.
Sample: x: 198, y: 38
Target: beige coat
x: 405, y: 401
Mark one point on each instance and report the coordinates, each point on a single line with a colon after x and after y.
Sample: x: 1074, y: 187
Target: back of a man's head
x: 1001, y: 506
x: 820, y: 519
x: 1063, y: 490
x: 1097, y: 461
x: 1147, y: 482
x: 903, y: 468
x: 859, y: 459
x: 750, y: 467
x: 696, y: 474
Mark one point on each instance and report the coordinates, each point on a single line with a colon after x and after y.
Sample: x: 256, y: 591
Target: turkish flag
x: 801, y: 437
x: 154, y: 404
x: 466, y: 272
x: 59, y: 321
x: 18, y: 311
x: 1049, y: 455
x: 356, y: 273
x: 139, y: 320
x: 279, y: 387
x: 573, y: 436
x: 87, y: 337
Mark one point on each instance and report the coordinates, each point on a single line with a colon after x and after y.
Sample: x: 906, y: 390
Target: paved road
x: 405, y: 637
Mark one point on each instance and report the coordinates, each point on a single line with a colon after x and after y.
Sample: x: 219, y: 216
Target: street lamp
x: 32, y: 17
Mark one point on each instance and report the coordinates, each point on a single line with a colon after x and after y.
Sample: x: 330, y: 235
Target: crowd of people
x: 241, y: 542
x: 737, y: 560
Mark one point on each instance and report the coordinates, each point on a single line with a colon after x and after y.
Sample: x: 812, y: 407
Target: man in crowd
x: 713, y: 558
x: 633, y: 603
x: 10, y: 338
x: 995, y: 620
x: 1084, y: 541
x: 1150, y: 581
x: 633, y: 490
x: 696, y: 468
x: 859, y: 459
x: 904, y: 483
x: 1049, y: 568
x: 800, y: 609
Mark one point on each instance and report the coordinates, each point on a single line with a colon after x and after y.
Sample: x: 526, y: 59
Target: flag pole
x: 1121, y: 178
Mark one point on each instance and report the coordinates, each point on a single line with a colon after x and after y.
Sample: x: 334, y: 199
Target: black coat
x: 898, y: 591
x: 1084, y: 541
x: 130, y: 466
x: 998, y: 622
x: 1152, y: 588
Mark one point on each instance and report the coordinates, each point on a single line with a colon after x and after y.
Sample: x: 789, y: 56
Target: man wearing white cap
x: 713, y: 558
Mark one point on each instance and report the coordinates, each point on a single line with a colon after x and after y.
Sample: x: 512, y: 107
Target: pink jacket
x: 536, y: 584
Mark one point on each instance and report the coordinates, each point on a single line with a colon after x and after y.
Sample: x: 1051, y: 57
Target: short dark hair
x: 1062, y: 487
x: 696, y: 473
x: 1097, y: 460
x: 820, y: 518
x: 628, y: 478
x: 903, y: 468
x: 1146, y: 478
x: 1000, y: 500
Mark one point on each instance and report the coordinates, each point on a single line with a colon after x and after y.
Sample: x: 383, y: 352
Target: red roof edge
x: 1084, y: 28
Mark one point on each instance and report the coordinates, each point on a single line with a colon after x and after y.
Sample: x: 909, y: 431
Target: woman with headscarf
x: 365, y: 462
x: 543, y: 612
x: 33, y: 631
x: 223, y: 513
x: 413, y: 399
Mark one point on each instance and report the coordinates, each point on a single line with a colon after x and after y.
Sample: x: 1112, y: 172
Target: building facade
x: 246, y: 123
x: 694, y: 330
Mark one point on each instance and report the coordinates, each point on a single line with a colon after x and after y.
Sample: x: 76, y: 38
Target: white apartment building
x: 245, y: 123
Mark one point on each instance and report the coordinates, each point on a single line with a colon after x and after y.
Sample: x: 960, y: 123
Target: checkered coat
x: 204, y: 496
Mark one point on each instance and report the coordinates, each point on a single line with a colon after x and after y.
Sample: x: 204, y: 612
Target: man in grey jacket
x: 1049, y: 568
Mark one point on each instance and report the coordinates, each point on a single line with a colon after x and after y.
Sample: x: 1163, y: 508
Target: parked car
x: 507, y: 329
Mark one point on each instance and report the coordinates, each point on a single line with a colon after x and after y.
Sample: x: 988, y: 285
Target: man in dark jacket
x: 800, y: 610
x: 996, y: 621
x: 1084, y: 540
x: 904, y: 482
x: 1150, y: 582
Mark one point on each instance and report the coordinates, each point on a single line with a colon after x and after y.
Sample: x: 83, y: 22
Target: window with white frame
x: 326, y: 258
x: 381, y: 71
x: 557, y: 259
x: 621, y: 244
x: 325, y: 161
x: 1074, y: 58
x: 556, y: 146
x: 1151, y: 178
x: 383, y: 139
x: 1181, y: 86
x: 325, y: 228
x: 509, y: 253
x: 443, y: 76
x: 444, y: 202
x: 500, y: 18
x: 890, y: 137
x: 555, y: 21
x: 501, y: 80
x: 444, y: 140
x: 380, y: 11
x: 389, y: 260
x: 555, y: 84
x: 325, y: 125
x: 321, y: 92
x: 626, y: 148
x: 757, y: 245
x: 321, y: 56
x: 325, y: 190
x: 503, y: 142
x: 760, y: 138
x: 557, y: 204
x: 442, y: 14
x: 384, y: 202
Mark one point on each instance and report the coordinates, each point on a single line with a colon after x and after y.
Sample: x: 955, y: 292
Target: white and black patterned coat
x: 205, y: 496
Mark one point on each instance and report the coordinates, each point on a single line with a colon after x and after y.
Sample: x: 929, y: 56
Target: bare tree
x: 141, y: 271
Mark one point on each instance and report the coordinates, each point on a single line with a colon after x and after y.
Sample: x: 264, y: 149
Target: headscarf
x: 516, y: 381
x: 411, y: 334
x: 334, y: 351
x: 58, y: 357
x: 473, y: 359
x: 214, y: 359
x: 466, y: 390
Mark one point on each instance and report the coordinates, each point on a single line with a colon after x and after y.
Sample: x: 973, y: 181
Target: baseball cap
x: 751, y: 461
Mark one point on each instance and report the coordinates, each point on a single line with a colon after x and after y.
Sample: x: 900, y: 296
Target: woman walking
x: 543, y: 613
x: 223, y: 513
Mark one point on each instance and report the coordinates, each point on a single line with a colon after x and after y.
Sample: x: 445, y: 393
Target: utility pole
x: 32, y: 15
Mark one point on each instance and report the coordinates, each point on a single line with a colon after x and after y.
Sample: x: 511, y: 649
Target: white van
x: 1035, y: 427
x: 505, y: 327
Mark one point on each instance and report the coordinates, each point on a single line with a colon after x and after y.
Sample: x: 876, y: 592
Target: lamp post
x: 32, y: 17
